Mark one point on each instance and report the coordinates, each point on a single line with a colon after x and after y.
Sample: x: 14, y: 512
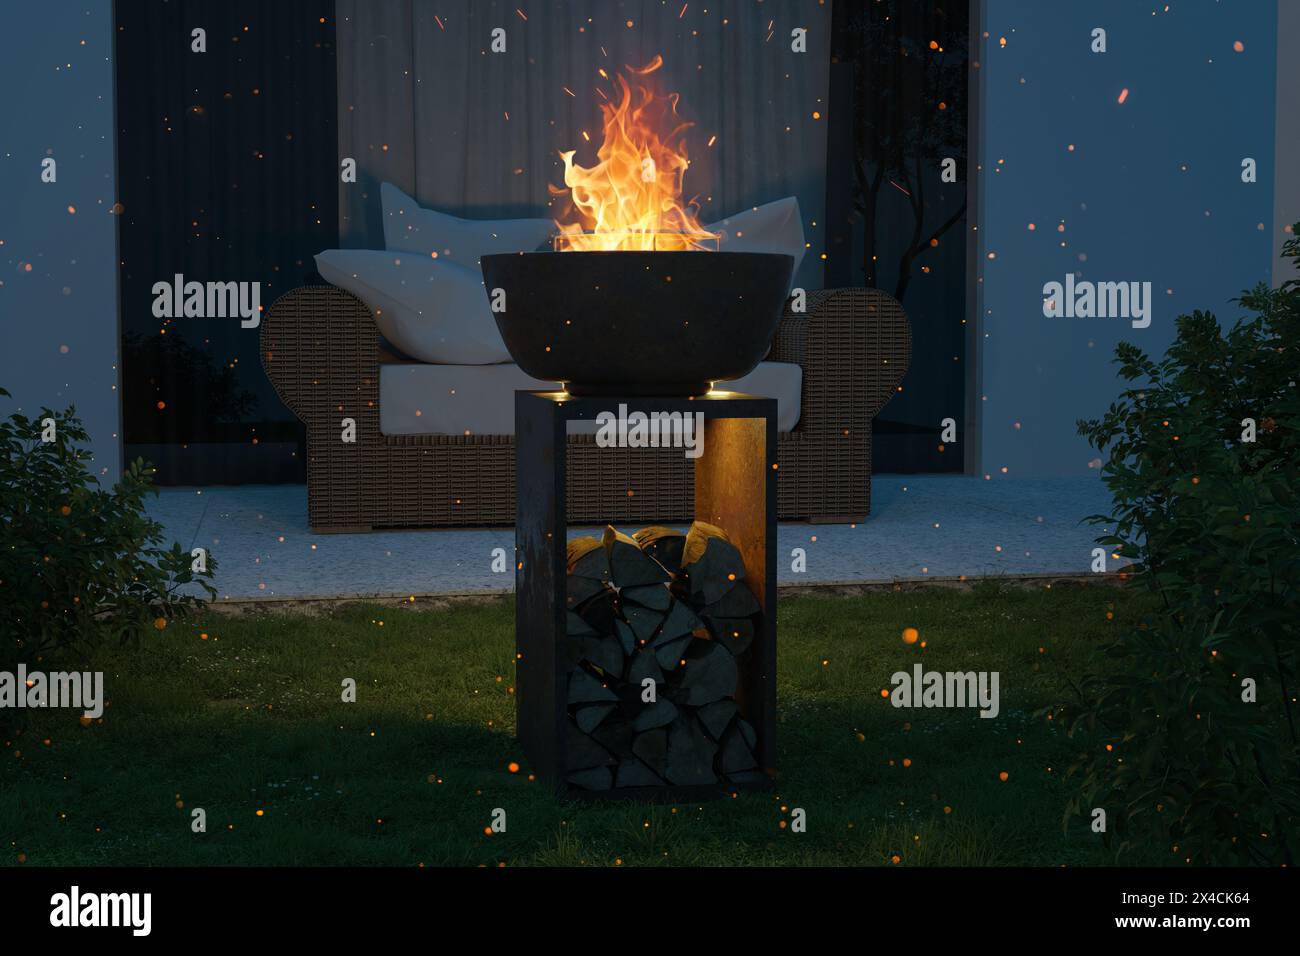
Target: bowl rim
x: 658, y: 253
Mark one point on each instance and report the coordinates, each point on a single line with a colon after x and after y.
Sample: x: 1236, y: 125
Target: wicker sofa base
x: 319, y: 349
x: 430, y: 483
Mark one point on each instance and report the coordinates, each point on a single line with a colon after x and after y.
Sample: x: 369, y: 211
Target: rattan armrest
x: 853, y: 346
x: 320, y: 351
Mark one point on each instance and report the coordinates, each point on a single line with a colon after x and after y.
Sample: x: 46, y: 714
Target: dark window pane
x: 228, y: 173
x: 899, y: 74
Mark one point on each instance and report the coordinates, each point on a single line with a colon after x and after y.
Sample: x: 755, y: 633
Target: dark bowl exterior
x: 638, y: 323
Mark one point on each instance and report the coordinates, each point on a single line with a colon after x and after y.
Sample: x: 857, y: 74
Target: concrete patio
x: 921, y: 526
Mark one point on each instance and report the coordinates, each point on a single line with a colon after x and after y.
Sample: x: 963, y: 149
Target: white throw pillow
x: 408, y: 227
x: 772, y: 227
x: 434, y: 310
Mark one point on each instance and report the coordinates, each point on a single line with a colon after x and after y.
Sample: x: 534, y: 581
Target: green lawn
x: 250, y: 719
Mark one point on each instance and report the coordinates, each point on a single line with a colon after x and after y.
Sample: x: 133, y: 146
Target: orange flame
x: 631, y: 198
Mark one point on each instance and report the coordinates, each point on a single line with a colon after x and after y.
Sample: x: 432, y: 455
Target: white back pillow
x: 408, y: 227
x: 434, y: 310
x: 772, y: 227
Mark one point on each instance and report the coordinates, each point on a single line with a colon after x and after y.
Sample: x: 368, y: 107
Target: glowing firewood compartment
x: 735, y: 489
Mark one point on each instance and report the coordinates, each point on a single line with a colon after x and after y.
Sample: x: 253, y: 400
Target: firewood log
x: 733, y: 633
x: 629, y: 566
x: 585, y: 558
x: 669, y: 654
x: 716, y: 717
x: 643, y: 621
x: 671, y: 639
x: 739, y: 601
x: 747, y: 731
x: 583, y: 752
x: 600, y: 611
x: 652, y: 748
x: 737, y: 753
x: 576, y: 626
x: 579, y: 590
x: 615, y: 735
x: 590, y: 716
x: 710, y: 673
x: 626, y: 637
x: 654, y: 596
x: 658, y: 714
x: 606, y: 653
x: 663, y: 544
x: 644, y: 666
x: 680, y: 620
x: 690, y: 753
x: 711, y: 562
x: 633, y: 773
x: 584, y: 688
x: 596, y: 778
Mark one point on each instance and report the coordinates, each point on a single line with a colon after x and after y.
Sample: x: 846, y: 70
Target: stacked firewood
x: 655, y: 625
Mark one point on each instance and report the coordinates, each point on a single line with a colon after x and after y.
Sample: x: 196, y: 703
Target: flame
x: 631, y: 198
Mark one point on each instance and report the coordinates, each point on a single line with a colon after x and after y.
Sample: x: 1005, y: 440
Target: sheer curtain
x: 424, y: 103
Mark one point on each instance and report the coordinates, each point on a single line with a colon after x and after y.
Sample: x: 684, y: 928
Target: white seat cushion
x: 416, y: 399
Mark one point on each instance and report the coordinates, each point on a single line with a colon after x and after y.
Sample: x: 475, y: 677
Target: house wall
x: 58, y: 267
x: 1152, y: 191
x: 1127, y: 203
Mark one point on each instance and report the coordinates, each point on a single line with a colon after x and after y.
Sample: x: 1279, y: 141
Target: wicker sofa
x: 321, y: 351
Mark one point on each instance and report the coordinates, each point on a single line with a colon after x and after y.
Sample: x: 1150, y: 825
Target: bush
x: 1212, y: 520
x: 79, y: 563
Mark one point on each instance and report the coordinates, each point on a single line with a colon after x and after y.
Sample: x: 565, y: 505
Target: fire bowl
x: 638, y: 323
